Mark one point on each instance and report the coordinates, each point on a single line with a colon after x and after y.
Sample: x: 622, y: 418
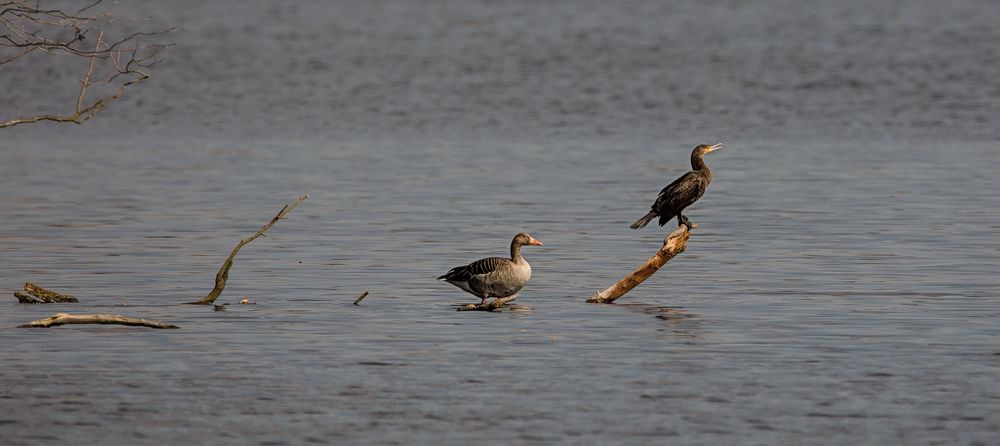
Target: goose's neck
x: 515, y: 251
x: 698, y: 164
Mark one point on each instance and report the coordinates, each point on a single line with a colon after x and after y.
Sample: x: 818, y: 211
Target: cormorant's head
x: 705, y: 148
x: 525, y: 239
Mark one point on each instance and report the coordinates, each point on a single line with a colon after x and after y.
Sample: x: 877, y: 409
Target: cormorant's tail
x: 642, y: 222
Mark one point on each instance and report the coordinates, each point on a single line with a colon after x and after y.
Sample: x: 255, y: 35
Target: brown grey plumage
x: 683, y: 192
x: 495, y: 276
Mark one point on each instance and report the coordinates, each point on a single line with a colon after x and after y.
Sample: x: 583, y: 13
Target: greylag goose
x: 683, y: 192
x: 495, y: 276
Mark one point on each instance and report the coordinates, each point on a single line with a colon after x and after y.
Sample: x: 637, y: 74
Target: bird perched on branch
x: 495, y: 276
x: 683, y: 192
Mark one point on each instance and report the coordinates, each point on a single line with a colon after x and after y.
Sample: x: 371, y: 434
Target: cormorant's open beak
x: 714, y: 147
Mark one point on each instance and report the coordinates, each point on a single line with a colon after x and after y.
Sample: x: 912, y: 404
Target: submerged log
x: 34, y: 294
x: 673, y: 244
x: 223, y: 275
x: 64, y: 319
x: 492, y: 305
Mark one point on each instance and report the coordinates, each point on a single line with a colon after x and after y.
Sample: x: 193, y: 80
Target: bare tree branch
x: 90, y: 74
x: 115, y: 64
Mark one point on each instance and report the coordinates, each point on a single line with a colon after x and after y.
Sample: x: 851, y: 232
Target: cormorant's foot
x: 687, y: 223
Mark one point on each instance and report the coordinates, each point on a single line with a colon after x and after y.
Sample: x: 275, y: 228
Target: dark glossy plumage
x: 682, y: 193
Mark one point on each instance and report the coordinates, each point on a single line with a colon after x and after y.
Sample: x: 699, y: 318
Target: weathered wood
x: 492, y: 305
x: 673, y: 244
x: 223, y: 275
x: 65, y: 319
x: 34, y: 294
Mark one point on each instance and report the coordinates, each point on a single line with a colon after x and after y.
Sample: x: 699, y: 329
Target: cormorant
x: 683, y: 192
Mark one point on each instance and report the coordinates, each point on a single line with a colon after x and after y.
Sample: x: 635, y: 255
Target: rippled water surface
x: 841, y: 288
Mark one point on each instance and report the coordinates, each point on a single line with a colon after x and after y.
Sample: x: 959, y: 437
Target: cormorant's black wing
x: 680, y: 194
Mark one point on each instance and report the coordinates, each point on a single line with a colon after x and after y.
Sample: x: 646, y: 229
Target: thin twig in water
x: 361, y: 298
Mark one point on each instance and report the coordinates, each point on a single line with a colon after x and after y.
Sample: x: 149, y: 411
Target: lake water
x: 842, y: 286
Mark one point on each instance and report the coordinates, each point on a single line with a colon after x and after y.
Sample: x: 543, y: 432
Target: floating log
x: 673, y: 244
x: 64, y: 319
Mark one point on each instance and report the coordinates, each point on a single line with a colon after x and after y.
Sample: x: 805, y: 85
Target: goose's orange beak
x: 534, y: 241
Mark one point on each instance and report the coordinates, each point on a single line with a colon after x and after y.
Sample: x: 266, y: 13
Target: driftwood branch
x: 673, y: 244
x: 34, y: 294
x: 65, y: 319
x: 223, y: 275
x: 492, y: 305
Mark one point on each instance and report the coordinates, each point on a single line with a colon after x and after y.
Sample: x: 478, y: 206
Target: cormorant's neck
x: 515, y: 251
x: 698, y: 164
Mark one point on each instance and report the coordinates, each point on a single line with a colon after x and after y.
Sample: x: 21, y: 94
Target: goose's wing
x: 481, y: 267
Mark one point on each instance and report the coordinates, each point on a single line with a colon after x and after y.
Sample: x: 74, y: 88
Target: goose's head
x: 525, y: 239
